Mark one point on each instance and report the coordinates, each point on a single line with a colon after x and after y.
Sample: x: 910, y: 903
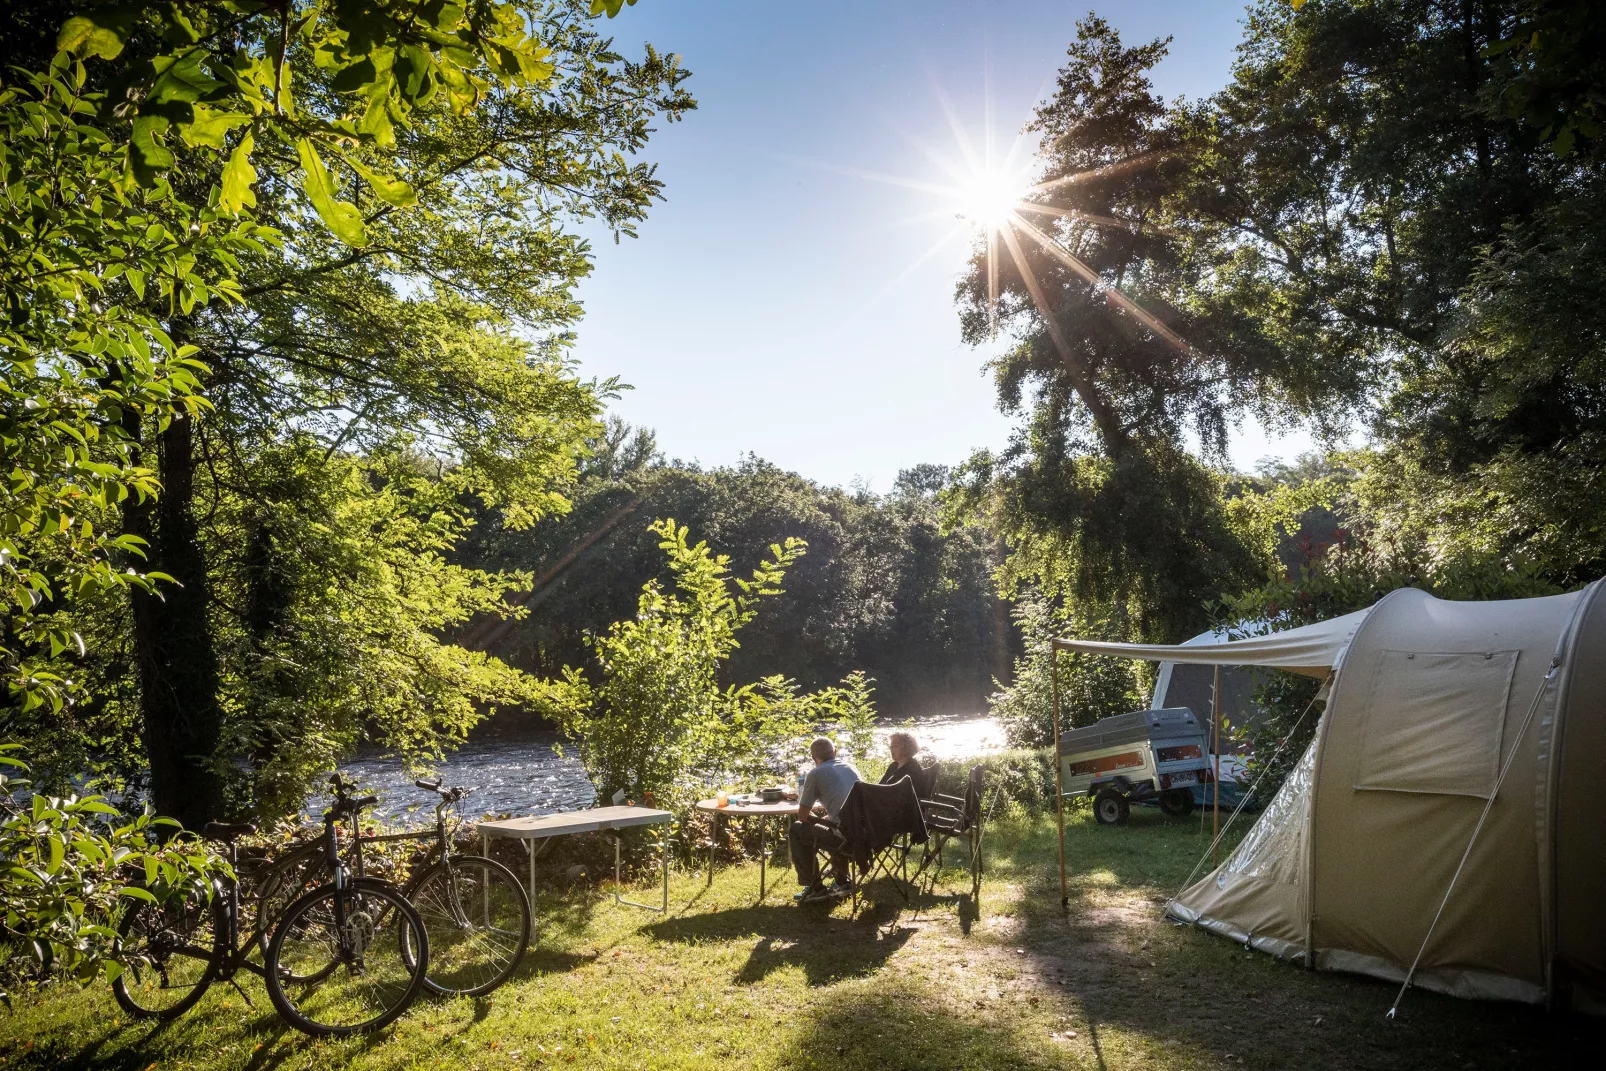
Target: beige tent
x: 1447, y: 815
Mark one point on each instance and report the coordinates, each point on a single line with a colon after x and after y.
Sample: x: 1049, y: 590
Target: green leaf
x: 134, y: 892
x: 181, y: 79
x: 341, y: 217
x: 613, y: 7
x: 238, y: 177
x: 391, y: 190
x: 376, y: 121
x: 209, y: 128
x: 146, y: 155
x: 84, y: 36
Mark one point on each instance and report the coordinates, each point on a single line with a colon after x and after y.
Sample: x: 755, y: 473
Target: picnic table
x: 597, y: 819
x: 740, y: 807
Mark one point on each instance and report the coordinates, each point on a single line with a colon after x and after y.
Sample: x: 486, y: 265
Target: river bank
x: 521, y: 767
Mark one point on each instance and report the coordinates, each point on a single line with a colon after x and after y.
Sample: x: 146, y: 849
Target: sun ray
x: 1112, y: 294
x: 1056, y: 334
x: 1132, y: 225
x: 1120, y: 167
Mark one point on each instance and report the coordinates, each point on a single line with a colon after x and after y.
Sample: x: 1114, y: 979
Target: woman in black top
x: 904, y: 748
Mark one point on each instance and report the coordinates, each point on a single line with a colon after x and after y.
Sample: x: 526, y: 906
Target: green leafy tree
x: 338, y: 579
x: 886, y: 587
x: 411, y: 307
x: 1390, y: 215
x: 1412, y: 192
x: 82, y: 252
x: 1098, y: 496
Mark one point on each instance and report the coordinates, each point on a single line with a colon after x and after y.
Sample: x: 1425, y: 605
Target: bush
x: 67, y: 867
x: 1021, y: 781
x: 658, y: 725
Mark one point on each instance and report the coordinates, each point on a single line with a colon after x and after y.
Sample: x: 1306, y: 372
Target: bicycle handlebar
x: 449, y: 795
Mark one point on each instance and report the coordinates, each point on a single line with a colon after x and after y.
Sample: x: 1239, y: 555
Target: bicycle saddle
x: 227, y: 831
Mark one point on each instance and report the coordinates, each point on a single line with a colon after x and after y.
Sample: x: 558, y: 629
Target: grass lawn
x: 724, y: 982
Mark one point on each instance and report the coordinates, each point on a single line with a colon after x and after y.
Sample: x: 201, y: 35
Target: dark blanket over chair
x: 875, y: 816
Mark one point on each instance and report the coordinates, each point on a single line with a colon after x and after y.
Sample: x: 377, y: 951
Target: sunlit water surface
x: 514, y: 769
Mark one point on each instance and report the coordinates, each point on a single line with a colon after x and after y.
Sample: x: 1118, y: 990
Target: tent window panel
x: 1274, y: 847
x: 1434, y: 722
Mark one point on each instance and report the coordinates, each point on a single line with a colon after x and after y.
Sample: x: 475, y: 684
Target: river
x: 513, y: 768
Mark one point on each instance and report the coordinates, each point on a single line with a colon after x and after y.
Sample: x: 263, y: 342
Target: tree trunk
x: 178, y: 673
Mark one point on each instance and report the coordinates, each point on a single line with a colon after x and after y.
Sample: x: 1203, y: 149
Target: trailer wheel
x: 1177, y: 802
x: 1110, y: 808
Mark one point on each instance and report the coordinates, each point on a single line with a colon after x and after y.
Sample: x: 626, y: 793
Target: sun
x: 991, y: 197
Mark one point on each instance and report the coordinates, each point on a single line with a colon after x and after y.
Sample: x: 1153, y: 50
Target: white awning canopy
x: 1312, y: 650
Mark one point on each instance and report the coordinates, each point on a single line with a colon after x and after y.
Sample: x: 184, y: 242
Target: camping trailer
x: 1128, y: 758
x: 1443, y: 825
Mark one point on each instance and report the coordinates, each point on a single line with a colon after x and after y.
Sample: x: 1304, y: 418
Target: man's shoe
x: 813, y: 892
x: 841, y: 888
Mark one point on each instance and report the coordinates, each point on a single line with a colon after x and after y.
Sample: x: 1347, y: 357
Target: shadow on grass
x: 902, y: 1025
x: 827, y: 948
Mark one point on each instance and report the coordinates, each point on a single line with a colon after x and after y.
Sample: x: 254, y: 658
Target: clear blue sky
x: 787, y: 302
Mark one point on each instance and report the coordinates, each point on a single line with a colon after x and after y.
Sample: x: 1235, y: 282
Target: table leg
x: 713, y: 842
x: 763, y: 852
x: 618, y: 877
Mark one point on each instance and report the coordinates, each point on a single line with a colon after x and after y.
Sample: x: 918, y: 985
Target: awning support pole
x: 1215, y: 742
x: 1059, y: 778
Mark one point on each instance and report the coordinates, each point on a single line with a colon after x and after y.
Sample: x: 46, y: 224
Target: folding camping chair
x: 880, y: 825
x: 925, y: 781
x: 948, y: 817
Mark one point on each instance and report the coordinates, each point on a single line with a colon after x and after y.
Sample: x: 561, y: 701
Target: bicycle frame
x: 439, y: 852
x: 233, y: 955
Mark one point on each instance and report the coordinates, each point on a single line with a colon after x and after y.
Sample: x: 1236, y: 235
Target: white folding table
x: 598, y: 819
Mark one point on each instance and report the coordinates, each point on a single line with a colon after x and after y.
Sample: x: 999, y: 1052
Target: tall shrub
x: 658, y: 724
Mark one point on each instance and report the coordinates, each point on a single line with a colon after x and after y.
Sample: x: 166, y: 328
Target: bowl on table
x: 771, y: 795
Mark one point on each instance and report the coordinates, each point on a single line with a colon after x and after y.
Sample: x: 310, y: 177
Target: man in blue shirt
x: 826, y: 786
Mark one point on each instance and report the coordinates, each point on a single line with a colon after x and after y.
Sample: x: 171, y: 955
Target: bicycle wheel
x: 477, y: 918
x: 326, y: 978
x: 170, y: 951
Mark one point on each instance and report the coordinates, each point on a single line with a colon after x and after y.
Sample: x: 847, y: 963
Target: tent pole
x: 1215, y: 739
x: 1059, y: 777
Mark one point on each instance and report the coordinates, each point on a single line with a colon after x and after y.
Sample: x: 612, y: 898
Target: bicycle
x: 475, y: 912
x: 334, y: 965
